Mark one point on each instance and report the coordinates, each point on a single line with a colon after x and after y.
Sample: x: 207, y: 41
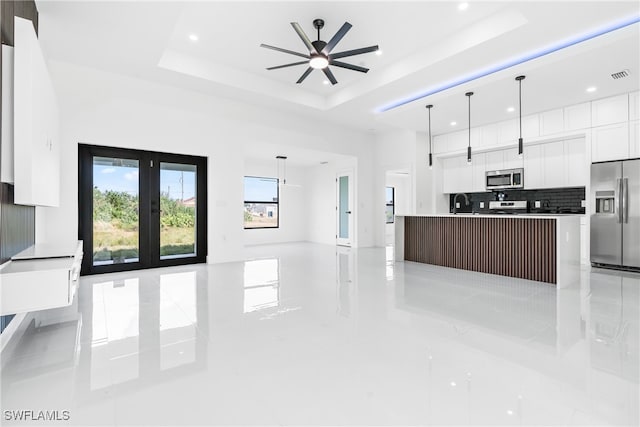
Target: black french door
x: 140, y: 209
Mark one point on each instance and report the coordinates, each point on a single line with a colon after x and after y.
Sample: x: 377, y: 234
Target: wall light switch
x: 583, y: 203
x: 481, y: 205
x: 457, y: 205
x: 537, y: 203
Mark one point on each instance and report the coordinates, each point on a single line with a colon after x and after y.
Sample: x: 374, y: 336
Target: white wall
x: 294, y: 220
x: 108, y: 109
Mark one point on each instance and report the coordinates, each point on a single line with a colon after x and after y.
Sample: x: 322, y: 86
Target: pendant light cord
x: 429, y: 129
x: 520, y: 103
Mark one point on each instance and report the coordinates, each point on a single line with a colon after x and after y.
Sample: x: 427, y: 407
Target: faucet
x: 455, y: 198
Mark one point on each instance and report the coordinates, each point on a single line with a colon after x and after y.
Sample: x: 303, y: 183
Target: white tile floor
x: 304, y: 335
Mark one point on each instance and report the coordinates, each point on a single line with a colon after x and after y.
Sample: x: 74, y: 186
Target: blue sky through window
x: 125, y: 179
x: 259, y: 189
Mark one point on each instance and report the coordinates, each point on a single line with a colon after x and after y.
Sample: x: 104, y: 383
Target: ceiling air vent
x: 620, y: 74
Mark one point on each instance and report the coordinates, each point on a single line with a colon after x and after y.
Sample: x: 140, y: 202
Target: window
x: 390, y: 198
x: 260, y: 202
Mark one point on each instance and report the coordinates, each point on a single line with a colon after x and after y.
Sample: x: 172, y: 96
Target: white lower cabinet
x: 39, y: 284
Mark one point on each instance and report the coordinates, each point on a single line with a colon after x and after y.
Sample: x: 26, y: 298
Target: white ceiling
x: 426, y: 45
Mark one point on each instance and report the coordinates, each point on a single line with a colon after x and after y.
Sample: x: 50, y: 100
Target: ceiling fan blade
x: 304, y: 37
x: 354, y: 52
x: 336, y: 38
x: 279, y: 49
x: 349, y: 66
x: 288, y: 65
x: 304, y: 75
x: 330, y: 76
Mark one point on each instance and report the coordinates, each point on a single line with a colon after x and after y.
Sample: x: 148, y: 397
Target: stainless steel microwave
x: 505, y: 179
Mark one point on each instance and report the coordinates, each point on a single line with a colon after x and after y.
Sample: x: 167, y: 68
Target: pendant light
x: 282, y: 159
x: 468, y: 95
x: 429, y: 107
x: 519, y: 79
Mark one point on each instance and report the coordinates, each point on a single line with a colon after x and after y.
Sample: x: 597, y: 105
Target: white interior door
x: 344, y: 209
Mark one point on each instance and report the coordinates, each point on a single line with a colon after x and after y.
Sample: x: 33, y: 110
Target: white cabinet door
x: 553, y: 166
x: 551, y: 122
x: 634, y: 139
x: 494, y: 160
x: 6, y: 156
x: 610, y: 110
x: 449, y: 171
x: 610, y: 142
x: 479, y: 168
x: 530, y: 126
x: 508, y: 131
x: 634, y: 106
x: 533, y: 172
x: 576, y: 162
x: 511, y: 159
x: 489, y: 135
x: 36, y: 145
x: 577, y: 117
x: 457, y: 175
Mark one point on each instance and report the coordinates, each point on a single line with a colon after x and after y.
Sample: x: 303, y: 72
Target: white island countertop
x: 523, y: 216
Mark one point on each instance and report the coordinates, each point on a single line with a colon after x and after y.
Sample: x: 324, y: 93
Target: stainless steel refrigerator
x: 615, y: 214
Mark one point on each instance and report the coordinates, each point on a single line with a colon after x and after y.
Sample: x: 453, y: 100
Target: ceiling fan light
x: 318, y: 62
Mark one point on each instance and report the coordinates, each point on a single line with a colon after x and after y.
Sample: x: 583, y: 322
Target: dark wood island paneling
x: 515, y: 247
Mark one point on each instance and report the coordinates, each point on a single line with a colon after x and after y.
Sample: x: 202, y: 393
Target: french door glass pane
x: 115, y: 210
x: 177, y: 210
x: 344, y: 207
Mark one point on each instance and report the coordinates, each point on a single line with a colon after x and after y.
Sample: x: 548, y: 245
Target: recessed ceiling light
x: 193, y: 37
x: 326, y: 82
x: 592, y: 89
x: 452, y: 384
x: 463, y: 6
x: 510, y: 110
x: 379, y: 52
x: 509, y: 412
x: 453, y: 123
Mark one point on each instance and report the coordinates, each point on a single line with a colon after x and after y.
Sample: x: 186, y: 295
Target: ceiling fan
x: 320, y: 56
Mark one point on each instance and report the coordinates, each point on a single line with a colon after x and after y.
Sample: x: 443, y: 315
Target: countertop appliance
x: 505, y: 179
x: 615, y: 214
x: 508, y: 206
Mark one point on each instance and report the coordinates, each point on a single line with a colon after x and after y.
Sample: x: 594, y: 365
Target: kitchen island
x: 544, y: 248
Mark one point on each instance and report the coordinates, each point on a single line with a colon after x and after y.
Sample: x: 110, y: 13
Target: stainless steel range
x: 508, y: 206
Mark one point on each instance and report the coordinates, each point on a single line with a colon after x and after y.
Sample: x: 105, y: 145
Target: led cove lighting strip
x: 517, y: 61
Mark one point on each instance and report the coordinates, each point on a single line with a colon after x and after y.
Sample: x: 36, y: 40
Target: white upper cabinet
x: 608, y: 111
x: 610, y: 142
x: 551, y: 122
x: 533, y: 172
x: 575, y: 151
x: 634, y: 106
x: 577, y: 117
x: 508, y: 131
x: 36, y: 144
x: 530, y: 127
x: 6, y: 148
x: 489, y: 135
x: 478, y: 169
x: 553, y: 165
x: 457, y: 175
x: 634, y: 139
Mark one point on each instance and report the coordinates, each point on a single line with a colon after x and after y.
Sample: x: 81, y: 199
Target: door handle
x: 625, y: 197
x: 349, y: 212
x: 619, y: 184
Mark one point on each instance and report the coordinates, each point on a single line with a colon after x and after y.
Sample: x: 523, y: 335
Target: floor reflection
x: 318, y: 326
x: 261, y: 284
